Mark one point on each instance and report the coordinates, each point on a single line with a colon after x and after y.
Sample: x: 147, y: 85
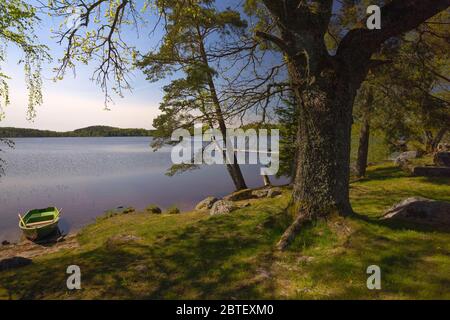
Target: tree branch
x: 274, y: 39
x: 397, y: 17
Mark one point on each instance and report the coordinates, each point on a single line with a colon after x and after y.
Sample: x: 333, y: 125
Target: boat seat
x: 35, y: 224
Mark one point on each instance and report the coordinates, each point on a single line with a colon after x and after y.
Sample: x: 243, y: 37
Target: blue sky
x: 76, y: 101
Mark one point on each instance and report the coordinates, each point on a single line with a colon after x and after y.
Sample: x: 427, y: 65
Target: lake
x: 87, y: 176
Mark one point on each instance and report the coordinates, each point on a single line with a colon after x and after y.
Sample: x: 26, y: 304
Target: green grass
x: 193, y: 255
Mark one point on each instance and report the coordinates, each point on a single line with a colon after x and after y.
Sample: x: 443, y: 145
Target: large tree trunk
x: 321, y: 185
x: 323, y: 167
x: 325, y: 87
x: 236, y: 175
x: 364, y: 136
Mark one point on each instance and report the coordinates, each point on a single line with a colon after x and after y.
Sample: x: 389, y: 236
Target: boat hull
x: 39, y: 233
x: 40, y: 223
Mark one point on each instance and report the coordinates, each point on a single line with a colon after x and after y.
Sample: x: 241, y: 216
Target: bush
x: 128, y: 210
x: 172, y: 210
x: 153, y: 209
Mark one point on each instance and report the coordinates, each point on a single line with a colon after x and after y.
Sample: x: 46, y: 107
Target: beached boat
x: 39, y: 223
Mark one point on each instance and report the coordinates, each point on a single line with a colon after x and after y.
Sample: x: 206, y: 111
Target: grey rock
x: 154, y: 209
x: 206, y: 203
x: 406, y: 156
x: 240, y: 195
x: 431, y: 171
x: 222, y: 207
x: 421, y: 211
x: 260, y: 193
x: 274, y: 192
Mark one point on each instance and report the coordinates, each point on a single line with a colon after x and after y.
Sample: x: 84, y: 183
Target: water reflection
x: 87, y: 176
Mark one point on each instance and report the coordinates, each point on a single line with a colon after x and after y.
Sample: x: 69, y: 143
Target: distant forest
x: 93, y: 131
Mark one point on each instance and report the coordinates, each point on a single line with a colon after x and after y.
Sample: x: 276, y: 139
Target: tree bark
x: 323, y: 165
x: 364, y: 136
x: 325, y: 88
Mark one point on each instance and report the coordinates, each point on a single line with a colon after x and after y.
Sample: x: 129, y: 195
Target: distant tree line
x: 94, y: 131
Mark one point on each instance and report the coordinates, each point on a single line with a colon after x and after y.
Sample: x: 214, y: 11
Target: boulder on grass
x: 421, y: 211
x: 431, y: 171
x: 406, y: 156
x: 206, y: 204
x: 274, y: 192
x: 222, y: 207
x: 240, y: 195
x: 172, y: 210
x: 154, y: 209
x: 260, y: 193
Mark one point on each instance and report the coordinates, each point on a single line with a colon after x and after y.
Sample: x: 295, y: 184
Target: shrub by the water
x: 172, y: 210
x: 153, y: 209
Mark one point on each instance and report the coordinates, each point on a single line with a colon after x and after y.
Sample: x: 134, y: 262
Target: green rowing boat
x: 39, y: 223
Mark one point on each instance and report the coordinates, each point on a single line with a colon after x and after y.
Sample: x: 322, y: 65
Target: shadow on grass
x: 399, y: 225
x: 221, y: 257
x: 440, y: 181
x: 385, y: 173
x: 412, y: 265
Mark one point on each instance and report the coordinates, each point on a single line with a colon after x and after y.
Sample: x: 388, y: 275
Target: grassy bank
x: 193, y: 255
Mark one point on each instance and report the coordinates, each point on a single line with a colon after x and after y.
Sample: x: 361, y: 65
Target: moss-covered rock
x: 223, y: 207
x: 172, y: 210
x: 240, y: 195
x: 153, y: 209
x: 206, y: 204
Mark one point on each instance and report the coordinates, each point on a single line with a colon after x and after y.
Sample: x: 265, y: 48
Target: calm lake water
x: 87, y: 176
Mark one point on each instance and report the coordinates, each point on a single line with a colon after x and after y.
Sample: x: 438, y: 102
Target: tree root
x: 292, y: 231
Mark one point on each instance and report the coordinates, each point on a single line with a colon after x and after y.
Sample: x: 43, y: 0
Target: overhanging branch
x: 397, y: 17
x: 274, y: 39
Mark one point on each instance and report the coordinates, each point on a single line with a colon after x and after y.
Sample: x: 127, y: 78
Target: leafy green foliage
x: 9, y: 144
x: 92, y: 32
x: 411, y: 99
x: 288, y: 120
x: 194, y: 45
x: 17, y: 22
